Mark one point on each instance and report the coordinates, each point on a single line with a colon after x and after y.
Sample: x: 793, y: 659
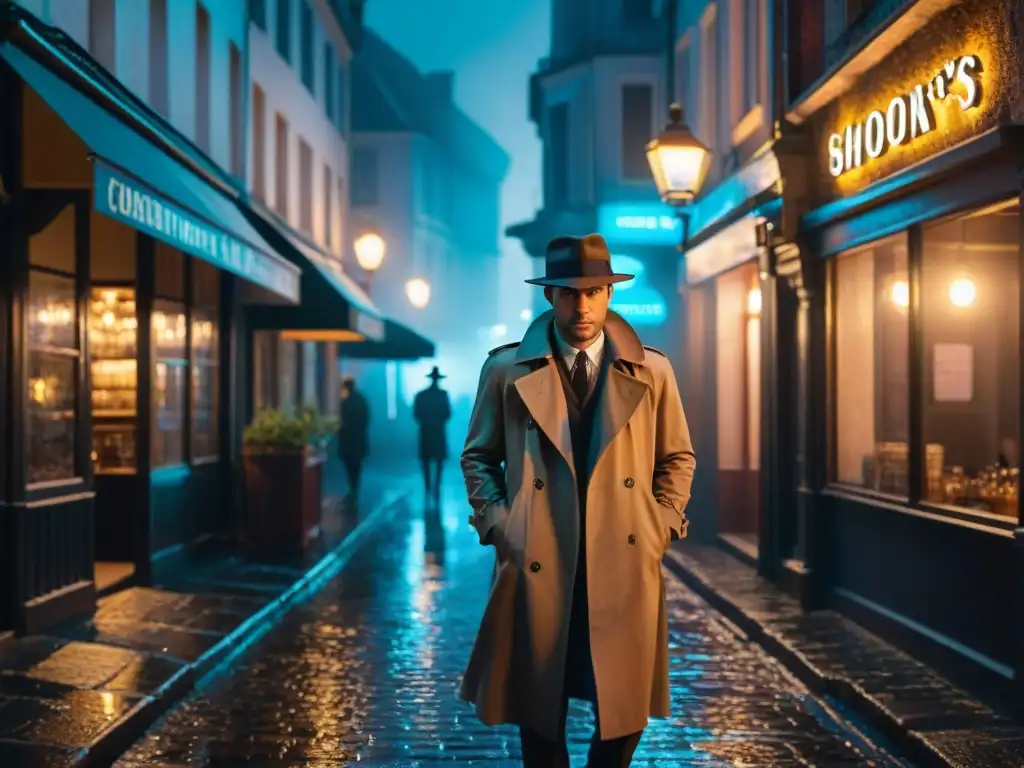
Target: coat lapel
x: 617, y: 401
x: 541, y: 393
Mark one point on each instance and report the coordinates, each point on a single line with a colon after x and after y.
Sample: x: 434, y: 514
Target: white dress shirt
x: 595, y: 353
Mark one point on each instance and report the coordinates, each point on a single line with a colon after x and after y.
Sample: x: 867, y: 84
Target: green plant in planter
x: 274, y: 431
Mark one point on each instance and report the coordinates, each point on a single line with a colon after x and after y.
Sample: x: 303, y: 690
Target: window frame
x: 914, y: 503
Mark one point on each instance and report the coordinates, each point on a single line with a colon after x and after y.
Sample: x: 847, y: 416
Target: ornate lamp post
x: 370, y: 250
x: 679, y: 163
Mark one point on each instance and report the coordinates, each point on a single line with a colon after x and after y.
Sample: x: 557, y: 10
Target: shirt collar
x: 594, y: 352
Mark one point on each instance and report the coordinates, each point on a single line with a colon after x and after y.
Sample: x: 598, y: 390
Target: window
x: 205, y: 360
x: 558, y: 155
x: 202, y: 78
x: 871, y: 298
x: 305, y: 187
x: 281, y: 165
x: 969, y: 309
x: 330, y: 67
x: 170, y: 357
x: 328, y: 207
x: 258, y: 13
x: 284, y: 29
x: 364, y: 176
x: 102, y: 36
x: 342, y: 121
x: 637, y: 130
x: 306, y: 48
x: 342, y: 210
x: 236, y: 126
x: 259, y: 144
x: 53, y: 351
x: 752, y: 54
x: 158, y: 56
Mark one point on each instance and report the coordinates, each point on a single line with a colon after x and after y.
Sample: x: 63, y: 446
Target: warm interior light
x: 370, y: 248
x: 962, y: 293
x: 754, y: 302
x: 417, y: 290
x: 900, y: 294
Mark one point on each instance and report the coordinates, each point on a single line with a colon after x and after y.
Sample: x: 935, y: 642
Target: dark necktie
x: 579, y: 376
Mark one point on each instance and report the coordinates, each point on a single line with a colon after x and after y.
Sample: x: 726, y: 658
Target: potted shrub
x: 283, y: 458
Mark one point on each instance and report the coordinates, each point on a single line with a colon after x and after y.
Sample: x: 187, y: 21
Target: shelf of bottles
x: 113, y: 336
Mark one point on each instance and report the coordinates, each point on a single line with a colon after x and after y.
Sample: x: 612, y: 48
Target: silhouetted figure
x: 432, y: 410
x: 353, y: 441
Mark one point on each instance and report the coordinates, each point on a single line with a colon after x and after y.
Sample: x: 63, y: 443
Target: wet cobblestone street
x: 368, y: 671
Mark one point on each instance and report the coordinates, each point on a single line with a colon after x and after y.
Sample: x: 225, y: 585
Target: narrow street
x: 368, y: 671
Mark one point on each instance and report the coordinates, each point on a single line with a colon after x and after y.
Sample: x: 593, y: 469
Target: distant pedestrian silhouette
x: 353, y: 440
x: 432, y: 410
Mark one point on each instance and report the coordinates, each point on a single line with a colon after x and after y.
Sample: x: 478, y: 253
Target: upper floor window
x: 306, y: 48
x: 364, y: 173
x: 305, y: 187
x: 236, y: 125
x: 102, y: 39
x: 328, y: 207
x: 753, y: 51
x: 284, y: 29
x: 330, y: 65
x: 158, y: 55
x: 202, y: 77
x: 258, y: 13
x: 558, y: 155
x: 637, y: 129
x: 342, y: 111
x: 281, y: 166
x: 259, y: 143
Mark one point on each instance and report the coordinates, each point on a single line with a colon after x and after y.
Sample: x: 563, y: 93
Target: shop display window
x: 169, y: 382
x: 871, y: 298
x: 53, y: 359
x: 113, y: 363
x: 969, y: 309
x: 205, y: 385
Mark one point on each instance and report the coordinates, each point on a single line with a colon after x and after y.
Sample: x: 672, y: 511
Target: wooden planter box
x: 283, y: 498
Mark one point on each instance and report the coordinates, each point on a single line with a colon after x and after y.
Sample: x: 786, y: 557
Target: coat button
x: 538, y: 484
x: 534, y: 566
x: 631, y: 539
x: 628, y: 482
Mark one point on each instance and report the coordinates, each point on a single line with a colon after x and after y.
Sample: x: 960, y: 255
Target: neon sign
x: 638, y: 223
x: 636, y: 300
x: 907, y: 117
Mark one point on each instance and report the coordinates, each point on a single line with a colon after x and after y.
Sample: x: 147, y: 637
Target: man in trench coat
x: 578, y: 466
x: 432, y: 410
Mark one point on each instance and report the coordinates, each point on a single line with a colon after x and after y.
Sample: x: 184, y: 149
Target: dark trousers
x: 538, y: 752
x: 354, y: 470
x: 432, y: 469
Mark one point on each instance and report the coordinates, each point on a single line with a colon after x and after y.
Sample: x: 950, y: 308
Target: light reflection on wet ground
x: 369, y: 670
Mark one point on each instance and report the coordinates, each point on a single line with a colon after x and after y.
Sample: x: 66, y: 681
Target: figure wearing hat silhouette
x: 353, y: 437
x: 578, y: 466
x: 432, y: 411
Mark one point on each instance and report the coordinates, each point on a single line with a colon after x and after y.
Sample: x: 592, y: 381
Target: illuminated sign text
x: 908, y: 116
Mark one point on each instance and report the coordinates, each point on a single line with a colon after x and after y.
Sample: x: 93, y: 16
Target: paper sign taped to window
x: 953, y: 373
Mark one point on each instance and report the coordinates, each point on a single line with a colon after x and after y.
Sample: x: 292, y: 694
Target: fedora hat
x: 578, y: 262
x: 436, y: 374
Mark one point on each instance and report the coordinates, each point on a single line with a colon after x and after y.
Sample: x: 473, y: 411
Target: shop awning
x: 333, y: 306
x: 399, y: 343
x: 140, y: 184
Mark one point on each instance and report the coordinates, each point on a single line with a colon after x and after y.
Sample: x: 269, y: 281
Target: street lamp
x: 417, y: 290
x: 679, y: 162
x: 370, y: 249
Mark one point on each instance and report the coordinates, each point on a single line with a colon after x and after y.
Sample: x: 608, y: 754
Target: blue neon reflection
x: 636, y: 300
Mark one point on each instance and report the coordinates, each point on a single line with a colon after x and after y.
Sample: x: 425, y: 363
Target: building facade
x: 890, y: 282
x: 597, y: 100
x: 428, y: 179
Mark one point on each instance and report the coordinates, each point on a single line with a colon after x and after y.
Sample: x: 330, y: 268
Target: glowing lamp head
x: 899, y: 294
x: 962, y: 293
x: 679, y: 161
x: 417, y: 291
x: 370, y: 249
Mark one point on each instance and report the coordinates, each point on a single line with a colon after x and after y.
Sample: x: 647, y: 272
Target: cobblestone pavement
x: 368, y: 671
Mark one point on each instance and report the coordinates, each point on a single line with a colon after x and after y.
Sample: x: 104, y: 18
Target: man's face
x: 579, y: 312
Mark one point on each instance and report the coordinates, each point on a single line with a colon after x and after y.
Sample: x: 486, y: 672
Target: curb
x: 125, y: 731
x: 913, y: 744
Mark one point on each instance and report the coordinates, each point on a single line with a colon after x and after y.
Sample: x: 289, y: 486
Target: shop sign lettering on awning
x: 907, y: 116
x: 124, y: 199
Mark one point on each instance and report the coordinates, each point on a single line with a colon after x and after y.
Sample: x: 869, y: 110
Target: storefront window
x: 53, y: 354
x: 113, y: 325
x: 168, y: 382
x: 970, y: 297
x: 871, y: 299
x: 205, y: 360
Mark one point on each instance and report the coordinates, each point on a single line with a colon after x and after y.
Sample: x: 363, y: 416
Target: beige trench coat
x: 518, y: 467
